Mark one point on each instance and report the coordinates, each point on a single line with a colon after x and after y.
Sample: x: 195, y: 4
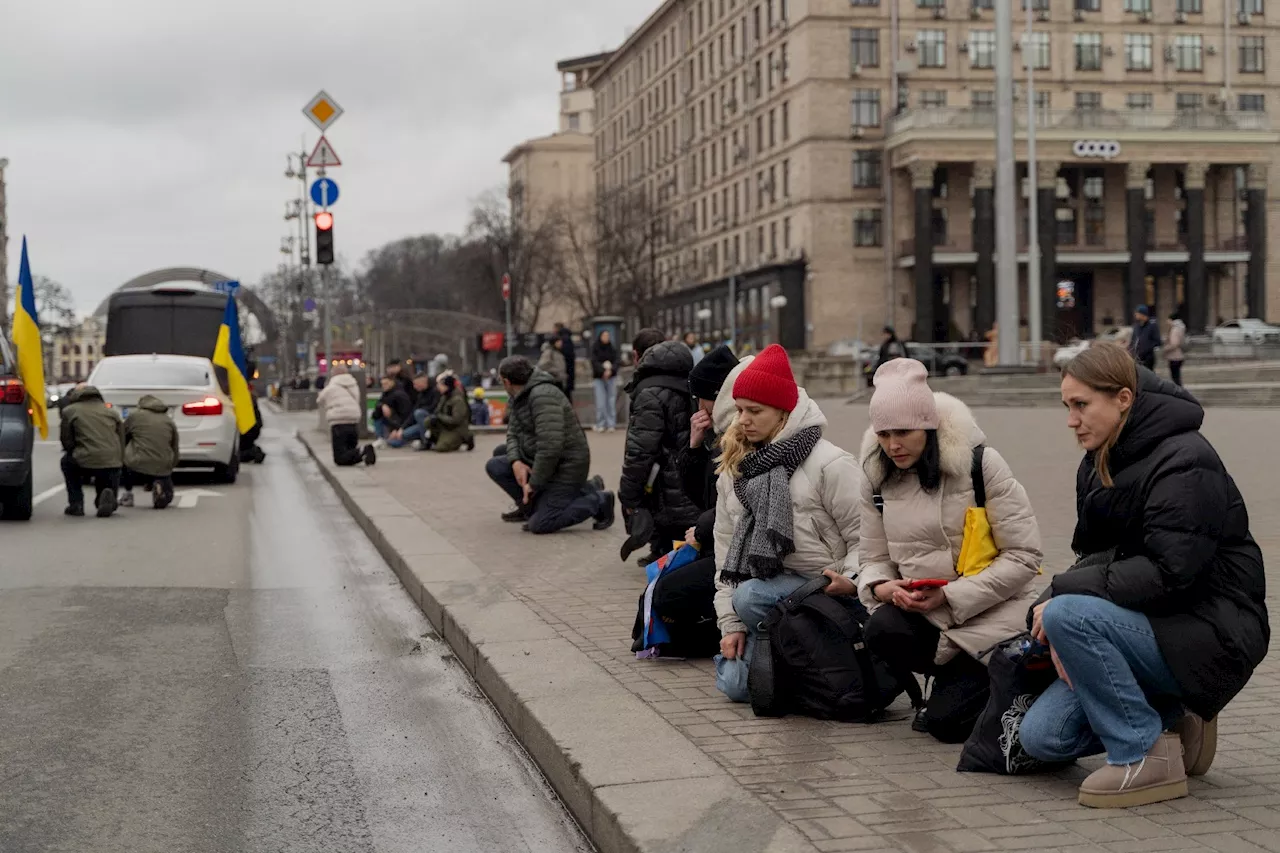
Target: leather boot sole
x: 1133, y: 796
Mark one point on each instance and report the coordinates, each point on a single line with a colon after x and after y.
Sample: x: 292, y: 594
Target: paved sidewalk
x: 544, y: 623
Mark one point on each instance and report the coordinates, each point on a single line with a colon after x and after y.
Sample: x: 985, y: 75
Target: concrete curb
x: 633, y: 781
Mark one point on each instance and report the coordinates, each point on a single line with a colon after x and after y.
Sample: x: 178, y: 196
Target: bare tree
x: 527, y: 253
x: 55, y: 307
x: 628, y: 237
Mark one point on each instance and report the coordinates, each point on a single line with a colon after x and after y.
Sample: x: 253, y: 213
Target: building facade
x: 839, y: 154
x: 74, y: 352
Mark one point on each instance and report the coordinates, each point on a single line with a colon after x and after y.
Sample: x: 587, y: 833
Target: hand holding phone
x: 928, y: 583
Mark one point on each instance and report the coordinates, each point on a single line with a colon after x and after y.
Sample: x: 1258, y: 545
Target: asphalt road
x: 240, y: 674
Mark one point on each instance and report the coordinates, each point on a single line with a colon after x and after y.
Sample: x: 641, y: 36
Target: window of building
x: 866, y: 168
x: 1249, y: 7
x: 931, y: 4
x: 932, y: 98
x: 1252, y: 58
x: 66, y: 350
x: 1088, y: 5
x: 867, y: 227
x: 786, y: 179
x: 786, y: 232
x: 982, y: 48
x: 1252, y: 103
x: 1095, y: 210
x: 982, y: 99
x: 864, y: 48
x: 784, y: 70
x: 1038, y: 51
x: 1191, y: 7
x: 575, y: 123
x: 79, y: 374
x: 773, y: 239
x: 89, y: 349
x: 866, y: 108
x: 66, y: 368
x: 759, y: 133
x: 1189, y: 101
x: 1139, y: 101
x: 1137, y: 5
x: 864, y: 2
x: 1088, y: 101
x: 76, y: 350
x: 1188, y: 52
x: 1137, y: 51
x: 1088, y: 51
x: 932, y: 47
x: 984, y: 4
x: 786, y: 121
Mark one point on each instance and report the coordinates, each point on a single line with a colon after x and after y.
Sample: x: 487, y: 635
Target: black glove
x: 640, y: 528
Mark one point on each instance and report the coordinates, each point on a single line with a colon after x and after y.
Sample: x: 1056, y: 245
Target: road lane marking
x: 46, y: 494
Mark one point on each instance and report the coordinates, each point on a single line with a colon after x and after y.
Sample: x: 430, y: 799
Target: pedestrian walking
x: 604, y: 371
x: 1173, y: 353
x: 343, y: 408
x: 151, y: 452
x: 925, y: 464
x: 552, y: 362
x: 92, y: 437
x: 1145, y: 339
x: 787, y: 510
x: 1163, y: 618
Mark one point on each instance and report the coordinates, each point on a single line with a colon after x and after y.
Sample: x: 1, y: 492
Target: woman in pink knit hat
x: 786, y: 511
x: 923, y: 456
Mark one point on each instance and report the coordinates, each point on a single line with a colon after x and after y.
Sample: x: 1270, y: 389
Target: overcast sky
x: 151, y: 133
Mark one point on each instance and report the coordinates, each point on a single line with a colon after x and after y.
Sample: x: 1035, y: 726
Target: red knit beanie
x: 768, y: 380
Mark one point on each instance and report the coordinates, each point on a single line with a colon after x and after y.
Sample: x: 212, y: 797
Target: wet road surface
x: 240, y: 674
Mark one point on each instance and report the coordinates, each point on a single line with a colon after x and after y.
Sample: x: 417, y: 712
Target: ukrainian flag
x: 26, y: 337
x: 229, y: 354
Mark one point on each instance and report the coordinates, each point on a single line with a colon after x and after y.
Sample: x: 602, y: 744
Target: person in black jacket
x: 658, y: 430
x: 1163, y: 618
x: 570, y: 357
x: 1145, y: 339
x: 605, y: 362
x: 685, y: 597
x: 393, y: 412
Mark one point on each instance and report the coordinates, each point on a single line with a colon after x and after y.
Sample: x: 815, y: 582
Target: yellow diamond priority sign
x: 322, y: 110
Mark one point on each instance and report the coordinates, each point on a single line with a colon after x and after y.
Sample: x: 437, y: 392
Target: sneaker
x: 126, y: 499
x: 597, y: 483
x: 76, y: 510
x: 597, y: 428
x: 605, y: 518
x: 1199, y: 742
x: 369, y: 455
x: 516, y: 515
x: 1159, y: 776
x: 417, y: 444
x: 106, y: 503
x: 162, y: 495
x: 378, y: 443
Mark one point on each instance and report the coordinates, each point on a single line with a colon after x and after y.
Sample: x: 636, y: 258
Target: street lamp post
x: 1006, y: 197
x: 1033, y: 202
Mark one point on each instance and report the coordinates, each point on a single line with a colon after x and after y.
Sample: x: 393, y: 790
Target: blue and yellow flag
x: 26, y: 337
x: 229, y: 354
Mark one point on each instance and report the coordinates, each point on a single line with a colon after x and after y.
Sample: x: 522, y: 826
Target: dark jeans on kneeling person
x: 553, y: 507
x: 346, y: 444
x: 908, y: 643
x: 103, y: 479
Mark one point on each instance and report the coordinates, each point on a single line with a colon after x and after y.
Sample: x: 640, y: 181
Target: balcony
x: 962, y: 122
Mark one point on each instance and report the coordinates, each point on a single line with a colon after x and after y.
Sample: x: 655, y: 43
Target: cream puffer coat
x: 340, y: 400
x: 824, y: 505
x: 919, y: 536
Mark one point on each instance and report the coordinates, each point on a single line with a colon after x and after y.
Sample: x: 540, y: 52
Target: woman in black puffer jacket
x: 1163, y: 618
x: 658, y: 430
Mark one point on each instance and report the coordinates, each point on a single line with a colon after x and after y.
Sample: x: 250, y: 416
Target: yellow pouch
x: 978, y: 548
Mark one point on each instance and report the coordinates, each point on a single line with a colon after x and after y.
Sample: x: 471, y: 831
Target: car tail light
x: 207, y: 406
x: 12, y: 391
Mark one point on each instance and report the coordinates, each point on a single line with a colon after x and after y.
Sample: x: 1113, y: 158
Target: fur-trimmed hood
x: 958, y: 434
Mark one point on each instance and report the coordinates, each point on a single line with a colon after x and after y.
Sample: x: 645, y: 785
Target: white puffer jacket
x: 340, y: 400
x: 918, y: 537
x: 824, y: 505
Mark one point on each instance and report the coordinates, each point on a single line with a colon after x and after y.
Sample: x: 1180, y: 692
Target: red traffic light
x: 324, y: 221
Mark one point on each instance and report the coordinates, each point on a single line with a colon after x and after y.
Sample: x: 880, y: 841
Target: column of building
x: 984, y: 244
x: 1047, y: 225
x: 929, y: 308
x: 1196, y: 293
x: 1256, y: 230
x: 1135, y: 204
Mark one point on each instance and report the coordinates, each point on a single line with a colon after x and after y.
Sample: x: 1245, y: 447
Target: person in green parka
x: 451, y: 423
x: 92, y: 436
x: 150, y: 452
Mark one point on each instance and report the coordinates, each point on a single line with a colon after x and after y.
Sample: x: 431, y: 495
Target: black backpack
x: 809, y: 658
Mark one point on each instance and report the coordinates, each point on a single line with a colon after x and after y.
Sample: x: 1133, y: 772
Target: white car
x: 1068, y: 351
x: 207, y: 433
x: 1247, y: 331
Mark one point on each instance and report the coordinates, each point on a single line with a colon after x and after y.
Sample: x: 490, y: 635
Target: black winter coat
x: 1183, y: 552
x: 601, y: 353
x: 697, y: 466
x: 657, y: 432
x: 401, y: 408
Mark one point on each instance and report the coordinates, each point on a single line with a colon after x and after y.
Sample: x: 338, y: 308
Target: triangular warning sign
x: 324, y: 156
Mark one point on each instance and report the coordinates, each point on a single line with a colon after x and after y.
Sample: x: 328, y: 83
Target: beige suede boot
x: 1158, y: 777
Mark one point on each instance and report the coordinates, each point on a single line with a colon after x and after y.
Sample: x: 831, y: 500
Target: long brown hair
x: 1107, y: 368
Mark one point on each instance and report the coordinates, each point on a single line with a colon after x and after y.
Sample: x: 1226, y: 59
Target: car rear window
x: 151, y: 374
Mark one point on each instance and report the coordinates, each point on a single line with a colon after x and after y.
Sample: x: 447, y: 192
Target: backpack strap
x: 979, y: 481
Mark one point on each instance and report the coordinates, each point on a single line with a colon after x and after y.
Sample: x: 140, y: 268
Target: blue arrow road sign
x: 324, y: 192
x: 226, y: 286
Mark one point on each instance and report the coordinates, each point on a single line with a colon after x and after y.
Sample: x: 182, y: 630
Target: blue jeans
x: 1123, y: 694
x: 554, y: 507
x: 752, y: 601
x: 606, y: 403
x: 414, y: 431
x: 381, y: 429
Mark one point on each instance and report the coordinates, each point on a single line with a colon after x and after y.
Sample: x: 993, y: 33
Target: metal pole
x: 509, y: 341
x: 733, y: 312
x: 328, y: 319
x: 1033, y: 201
x: 1006, y: 196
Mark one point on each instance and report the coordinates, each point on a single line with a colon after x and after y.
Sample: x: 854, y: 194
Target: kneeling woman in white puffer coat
x: 786, y: 511
x: 919, y: 461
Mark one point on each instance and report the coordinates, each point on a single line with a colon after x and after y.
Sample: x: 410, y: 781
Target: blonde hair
x: 734, y: 446
x: 1107, y: 368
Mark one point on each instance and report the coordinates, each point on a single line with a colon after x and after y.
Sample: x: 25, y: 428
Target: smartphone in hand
x: 928, y: 583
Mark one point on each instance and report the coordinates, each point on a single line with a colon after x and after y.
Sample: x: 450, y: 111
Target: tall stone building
x: 839, y: 154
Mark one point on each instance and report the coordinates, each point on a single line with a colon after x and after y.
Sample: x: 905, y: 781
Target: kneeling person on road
x: 92, y: 437
x: 150, y: 452
x: 343, y: 409
x: 546, y: 460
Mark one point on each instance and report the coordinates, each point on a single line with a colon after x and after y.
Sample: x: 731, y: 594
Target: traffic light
x: 324, y: 238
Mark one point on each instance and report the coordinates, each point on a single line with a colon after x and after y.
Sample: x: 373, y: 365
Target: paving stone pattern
x: 853, y: 787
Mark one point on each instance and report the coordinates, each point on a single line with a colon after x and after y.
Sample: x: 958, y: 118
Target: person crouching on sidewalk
x: 343, y: 406
x: 450, y: 426
x: 92, y: 436
x: 150, y: 452
x: 786, y: 511
x: 918, y: 457
x: 1163, y: 618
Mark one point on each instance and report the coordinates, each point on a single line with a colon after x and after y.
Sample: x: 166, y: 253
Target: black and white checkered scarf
x: 765, y: 535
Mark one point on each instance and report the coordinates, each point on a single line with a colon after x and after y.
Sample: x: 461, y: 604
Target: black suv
x: 16, y: 437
